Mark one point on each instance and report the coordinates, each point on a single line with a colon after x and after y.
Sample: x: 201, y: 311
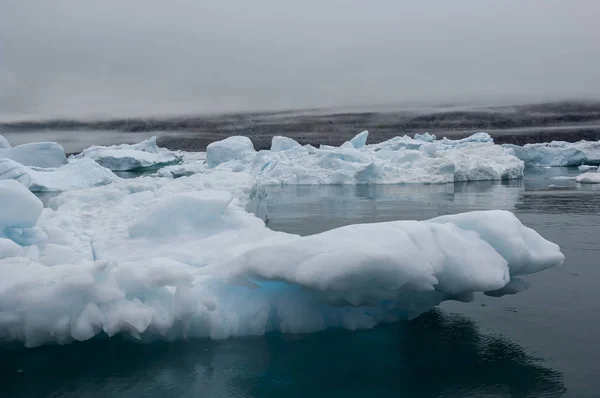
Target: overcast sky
x: 88, y: 58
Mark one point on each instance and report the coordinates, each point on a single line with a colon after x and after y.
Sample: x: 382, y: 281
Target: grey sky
x: 86, y: 58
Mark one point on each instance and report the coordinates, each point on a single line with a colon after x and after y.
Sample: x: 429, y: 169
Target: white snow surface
x: 77, y: 174
x: 36, y: 154
x: 558, y: 153
x: 173, y: 258
x: 126, y: 157
x: 399, y: 160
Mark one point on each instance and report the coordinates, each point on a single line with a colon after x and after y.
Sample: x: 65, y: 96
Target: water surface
x: 540, y: 343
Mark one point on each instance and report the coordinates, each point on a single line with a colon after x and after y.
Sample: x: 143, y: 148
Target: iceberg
x: 558, y: 153
x: 399, y: 160
x: 77, y: 174
x: 175, y: 258
x: 125, y: 157
x: 36, y: 154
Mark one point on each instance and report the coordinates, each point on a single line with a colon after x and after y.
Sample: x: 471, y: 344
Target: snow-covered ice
x: 36, y: 154
x: 229, y: 149
x: 77, y: 174
x: 162, y: 258
x: 190, y: 256
x: 559, y: 153
x: 399, y: 160
x: 126, y: 157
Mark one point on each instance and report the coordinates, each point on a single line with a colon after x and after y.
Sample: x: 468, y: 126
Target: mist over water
x: 107, y: 59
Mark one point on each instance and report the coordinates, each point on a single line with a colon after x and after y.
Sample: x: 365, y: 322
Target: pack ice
x: 558, y: 153
x: 172, y: 258
x: 127, y: 157
x: 43, y: 166
x: 400, y: 160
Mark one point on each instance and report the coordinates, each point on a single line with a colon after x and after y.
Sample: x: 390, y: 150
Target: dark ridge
x: 568, y: 121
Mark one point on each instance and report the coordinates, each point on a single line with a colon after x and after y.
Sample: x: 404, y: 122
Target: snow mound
x: 36, y: 154
x: 175, y: 258
x: 231, y: 148
x: 77, y: 174
x: 558, y: 153
x: 126, y: 157
x: 399, y: 160
x: 4, y: 143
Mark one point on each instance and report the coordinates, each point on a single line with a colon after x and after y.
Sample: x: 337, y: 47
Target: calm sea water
x: 540, y: 343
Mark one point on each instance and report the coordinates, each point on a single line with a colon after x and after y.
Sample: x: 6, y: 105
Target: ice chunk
x: 231, y: 148
x: 426, y: 137
x: 549, y: 154
x: 125, y: 157
x: 19, y: 208
x: 4, y: 142
x: 36, y: 154
x: 279, y: 143
x: 589, y: 177
x: 475, y: 138
x: 397, y: 143
x: 77, y: 174
x: 360, y: 140
x: 584, y: 167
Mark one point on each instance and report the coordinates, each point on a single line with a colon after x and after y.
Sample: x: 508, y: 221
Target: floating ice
x: 231, y: 148
x: 157, y: 257
x: 36, y: 154
x: 584, y: 167
x: 77, y: 174
x: 589, y: 177
x: 558, y: 153
x: 399, y: 160
x: 125, y: 157
x: 279, y: 143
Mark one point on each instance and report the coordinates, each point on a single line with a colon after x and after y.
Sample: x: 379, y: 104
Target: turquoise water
x: 539, y: 343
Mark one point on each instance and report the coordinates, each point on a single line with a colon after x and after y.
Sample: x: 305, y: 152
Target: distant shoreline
x: 566, y: 121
